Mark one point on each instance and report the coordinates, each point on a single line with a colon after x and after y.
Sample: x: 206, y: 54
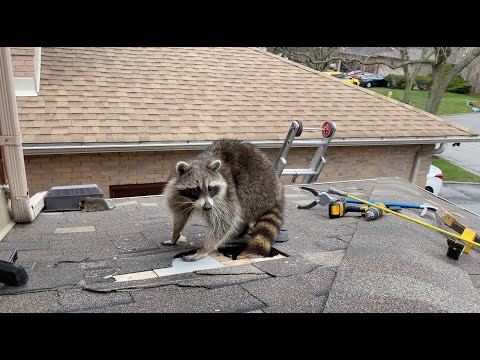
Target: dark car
x: 369, y: 80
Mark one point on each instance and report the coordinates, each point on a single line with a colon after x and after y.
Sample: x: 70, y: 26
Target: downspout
x: 38, y: 67
x: 418, y: 155
x: 24, y: 209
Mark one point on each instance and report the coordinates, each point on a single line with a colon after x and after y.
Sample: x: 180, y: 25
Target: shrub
x: 424, y: 82
x: 459, y: 86
x: 397, y: 81
x: 394, y: 80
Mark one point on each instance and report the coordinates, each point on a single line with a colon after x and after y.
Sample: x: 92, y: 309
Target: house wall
x: 472, y: 74
x: 425, y: 69
x: 343, y: 163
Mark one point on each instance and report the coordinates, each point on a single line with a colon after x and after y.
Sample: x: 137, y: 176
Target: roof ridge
x: 382, y: 97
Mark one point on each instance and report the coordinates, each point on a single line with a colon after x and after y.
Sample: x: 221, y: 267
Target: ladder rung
x: 298, y: 172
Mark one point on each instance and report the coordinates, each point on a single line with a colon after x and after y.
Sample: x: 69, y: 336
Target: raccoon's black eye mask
x: 213, y: 190
x: 192, y: 193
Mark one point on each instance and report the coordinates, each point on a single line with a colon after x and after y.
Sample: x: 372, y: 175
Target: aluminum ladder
x: 318, y: 161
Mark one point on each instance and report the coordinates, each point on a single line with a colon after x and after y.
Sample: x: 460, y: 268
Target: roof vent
x: 66, y: 198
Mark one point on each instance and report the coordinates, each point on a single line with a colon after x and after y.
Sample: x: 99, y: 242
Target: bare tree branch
x: 315, y: 57
x: 390, y: 64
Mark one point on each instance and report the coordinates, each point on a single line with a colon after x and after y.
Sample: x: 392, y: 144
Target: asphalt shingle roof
x: 98, y: 95
x: 330, y: 265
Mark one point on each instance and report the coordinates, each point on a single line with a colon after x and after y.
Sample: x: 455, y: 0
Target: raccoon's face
x: 81, y: 204
x: 200, y: 184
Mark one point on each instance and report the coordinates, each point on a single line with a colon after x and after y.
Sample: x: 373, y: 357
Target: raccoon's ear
x: 182, y: 168
x: 215, y: 165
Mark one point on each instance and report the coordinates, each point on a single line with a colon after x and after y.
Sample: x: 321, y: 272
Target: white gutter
x: 24, y: 209
x: 200, y: 145
x: 418, y: 155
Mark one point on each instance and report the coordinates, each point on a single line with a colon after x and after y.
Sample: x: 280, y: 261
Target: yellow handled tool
x: 468, y: 235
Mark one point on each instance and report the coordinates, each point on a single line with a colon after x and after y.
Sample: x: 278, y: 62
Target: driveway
x: 467, y: 155
x: 464, y: 195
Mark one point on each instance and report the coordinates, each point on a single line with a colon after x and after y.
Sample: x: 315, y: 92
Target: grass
x: 451, y: 103
x: 452, y: 172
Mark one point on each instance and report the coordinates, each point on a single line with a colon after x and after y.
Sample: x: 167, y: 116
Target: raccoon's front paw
x: 193, y: 257
x: 248, y: 255
x: 168, y: 243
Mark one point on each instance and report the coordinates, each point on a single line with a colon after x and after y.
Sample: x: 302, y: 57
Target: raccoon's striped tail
x: 263, y: 233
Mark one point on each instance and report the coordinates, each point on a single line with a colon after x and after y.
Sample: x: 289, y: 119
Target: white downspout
x: 416, y: 162
x: 38, y: 67
x: 24, y: 209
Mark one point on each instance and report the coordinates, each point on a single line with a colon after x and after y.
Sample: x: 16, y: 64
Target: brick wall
x: 343, y: 163
x: 23, y: 62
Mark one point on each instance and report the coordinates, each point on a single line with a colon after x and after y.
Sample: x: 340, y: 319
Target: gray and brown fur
x: 234, y: 186
x: 94, y: 204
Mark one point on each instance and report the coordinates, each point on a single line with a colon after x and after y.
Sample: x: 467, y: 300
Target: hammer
x: 11, y: 273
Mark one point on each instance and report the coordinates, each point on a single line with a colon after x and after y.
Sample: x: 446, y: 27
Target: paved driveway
x: 467, y: 155
x: 464, y: 195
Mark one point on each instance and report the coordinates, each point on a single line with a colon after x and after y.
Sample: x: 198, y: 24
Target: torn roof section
x: 132, y: 95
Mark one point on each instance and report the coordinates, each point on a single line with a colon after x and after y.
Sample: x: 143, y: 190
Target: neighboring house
x: 388, y: 54
x: 382, y: 54
x: 122, y: 117
x: 472, y: 74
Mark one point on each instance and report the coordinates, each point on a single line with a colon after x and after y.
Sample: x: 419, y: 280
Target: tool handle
x: 390, y: 203
x: 355, y: 208
x: 308, y: 206
x: 336, y: 192
x: 13, y: 257
x: 313, y: 191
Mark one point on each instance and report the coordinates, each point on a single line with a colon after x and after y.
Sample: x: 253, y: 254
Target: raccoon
x: 234, y: 186
x: 94, y: 204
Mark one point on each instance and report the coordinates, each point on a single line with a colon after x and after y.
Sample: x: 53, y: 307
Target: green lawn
x: 451, y: 103
x: 452, y: 172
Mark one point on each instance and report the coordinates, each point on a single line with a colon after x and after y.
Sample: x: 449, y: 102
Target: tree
x: 320, y: 57
x: 441, y: 79
x: 438, y: 57
x: 410, y: 76
x: 317, y: 58
x: 407, y: 60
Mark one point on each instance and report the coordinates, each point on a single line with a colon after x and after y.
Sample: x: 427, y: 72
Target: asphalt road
x: 467, y: 156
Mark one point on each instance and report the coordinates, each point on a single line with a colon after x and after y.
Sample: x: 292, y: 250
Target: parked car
x: 347, y: 78
x: 434, y: 180
x: 356, y: 73
x: 333, y: 72
x: 343, y: 76
x: 369, y: 80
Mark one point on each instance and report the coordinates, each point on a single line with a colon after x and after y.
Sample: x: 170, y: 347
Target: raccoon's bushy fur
x: 234, y: 187
x: 94, y: 204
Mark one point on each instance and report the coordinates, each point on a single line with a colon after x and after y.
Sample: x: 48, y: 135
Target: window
x: 117, y: 191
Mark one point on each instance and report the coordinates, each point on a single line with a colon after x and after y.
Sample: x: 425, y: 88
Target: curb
x: 458, y: 114
x: 461, y: 182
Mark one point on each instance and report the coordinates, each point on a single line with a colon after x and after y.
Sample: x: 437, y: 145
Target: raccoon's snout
x: 207, y: 206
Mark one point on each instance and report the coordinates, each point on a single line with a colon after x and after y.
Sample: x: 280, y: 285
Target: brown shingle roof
x: 182, y: 94
x: 23, y: 62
